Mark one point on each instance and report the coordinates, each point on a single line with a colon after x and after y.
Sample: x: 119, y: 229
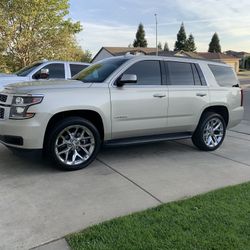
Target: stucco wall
x: 102, y: 55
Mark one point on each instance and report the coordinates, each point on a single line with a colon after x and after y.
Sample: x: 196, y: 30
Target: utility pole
x: 156, y: 34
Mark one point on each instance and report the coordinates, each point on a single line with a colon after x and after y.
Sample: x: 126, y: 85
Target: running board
x: 147, y: 139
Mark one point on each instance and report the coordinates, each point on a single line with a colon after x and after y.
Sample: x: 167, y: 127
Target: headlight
x: 21, y: 104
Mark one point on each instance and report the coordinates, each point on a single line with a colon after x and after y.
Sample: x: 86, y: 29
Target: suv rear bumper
x: 235, y: 117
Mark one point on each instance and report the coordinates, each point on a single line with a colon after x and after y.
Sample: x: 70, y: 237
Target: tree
x: 180, y: 43
x: 140, y: 40
x: 86, y: 56
x: 166, y: 48
x: 159, y: 46
x: 190, y: 44
x: 34, y: 30
x: 214, y: 45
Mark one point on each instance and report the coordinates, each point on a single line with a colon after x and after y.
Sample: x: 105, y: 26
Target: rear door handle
x: 201, y: 94
x: 159, y: 95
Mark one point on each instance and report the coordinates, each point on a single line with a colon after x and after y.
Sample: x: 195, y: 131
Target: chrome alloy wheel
x: 213, y: 132
x: 74, y: 145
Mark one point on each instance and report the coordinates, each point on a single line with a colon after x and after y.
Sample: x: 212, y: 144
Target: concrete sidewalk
x: 39, y: 204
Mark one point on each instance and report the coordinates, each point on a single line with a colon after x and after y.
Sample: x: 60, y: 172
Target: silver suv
x: 119, y: 101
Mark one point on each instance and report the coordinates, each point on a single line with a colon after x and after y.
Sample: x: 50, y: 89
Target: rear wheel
x: 210, y: 132
x: 73, y: 143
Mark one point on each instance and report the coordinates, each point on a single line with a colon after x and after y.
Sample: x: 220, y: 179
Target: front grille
x: 1, y: 113
x: 3, y: 98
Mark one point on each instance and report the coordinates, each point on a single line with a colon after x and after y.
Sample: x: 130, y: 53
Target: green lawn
x: 216, y: 220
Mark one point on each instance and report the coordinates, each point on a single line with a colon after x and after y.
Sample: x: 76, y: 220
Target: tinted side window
x: 148, y: 72
x: 56, y: 70
x: 180, y: 73
x: 76, y: 68
x: 224, y: 75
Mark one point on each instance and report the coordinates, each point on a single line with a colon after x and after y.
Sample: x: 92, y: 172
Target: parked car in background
x: 120, y: 101
x: 44, y: 70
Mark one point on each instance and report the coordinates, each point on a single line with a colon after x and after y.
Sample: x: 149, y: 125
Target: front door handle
x: 201, y: 94
x: 158, y: 95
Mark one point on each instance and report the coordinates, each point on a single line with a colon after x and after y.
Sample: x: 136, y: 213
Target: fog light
x: 20, y: 110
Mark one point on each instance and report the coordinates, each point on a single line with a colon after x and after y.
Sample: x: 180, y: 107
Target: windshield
x: 100, y: 71
x: 26, y: 70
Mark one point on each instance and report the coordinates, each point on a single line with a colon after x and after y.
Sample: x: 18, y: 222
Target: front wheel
x: 73, y: 143
x: 210, y: 132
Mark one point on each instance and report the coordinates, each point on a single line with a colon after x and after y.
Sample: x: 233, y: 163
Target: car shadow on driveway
x: 33, y: 162
x: 21, y: 162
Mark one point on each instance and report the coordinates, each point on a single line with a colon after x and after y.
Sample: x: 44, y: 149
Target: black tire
x: 52, y: 139
x: 198, y: 136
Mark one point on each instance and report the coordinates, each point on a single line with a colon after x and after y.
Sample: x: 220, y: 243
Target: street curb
x: 60, y: 244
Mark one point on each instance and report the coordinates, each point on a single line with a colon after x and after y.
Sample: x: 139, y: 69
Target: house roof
x: 239, y: 54
x: 163, y: 53
x: 118, y: 51
x: 192, y: 54
x: 216, y: 56
x: 122, y: 50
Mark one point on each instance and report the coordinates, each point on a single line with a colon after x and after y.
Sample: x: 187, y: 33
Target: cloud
x: 227, y: 17
x: 202, y: 18
x: 96, y: 35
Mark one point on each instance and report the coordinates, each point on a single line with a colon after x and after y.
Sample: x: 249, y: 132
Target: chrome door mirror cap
x: 44, y: 74
x: 126, y: 79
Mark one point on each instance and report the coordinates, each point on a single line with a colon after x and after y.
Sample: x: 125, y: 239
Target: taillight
x: 241, y: 101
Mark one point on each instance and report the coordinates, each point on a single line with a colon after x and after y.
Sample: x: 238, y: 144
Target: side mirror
x: 44, y: 74
x: 125, y: 79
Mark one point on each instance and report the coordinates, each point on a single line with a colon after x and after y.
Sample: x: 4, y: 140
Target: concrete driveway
x: 39, y: 204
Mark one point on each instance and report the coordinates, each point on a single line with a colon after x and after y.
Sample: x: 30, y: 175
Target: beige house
x: 106, y: 52
x: 234, y: 62
x: 243, y: 56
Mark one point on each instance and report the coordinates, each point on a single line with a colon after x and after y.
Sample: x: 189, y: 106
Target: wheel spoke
x: 209, y: 140
x: 66, y: 156
x: 74, y: 157
x: 87, y: 145
x: 64, y: 151
x: 85, y: 150
x: 217, y: 127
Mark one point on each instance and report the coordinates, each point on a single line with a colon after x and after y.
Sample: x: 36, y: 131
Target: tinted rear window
x: 224, y: 76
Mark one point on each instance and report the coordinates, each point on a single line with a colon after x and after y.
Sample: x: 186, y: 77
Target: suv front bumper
x: 26, y: 134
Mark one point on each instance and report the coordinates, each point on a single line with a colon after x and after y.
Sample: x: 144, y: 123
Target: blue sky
x: 114, y: 23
